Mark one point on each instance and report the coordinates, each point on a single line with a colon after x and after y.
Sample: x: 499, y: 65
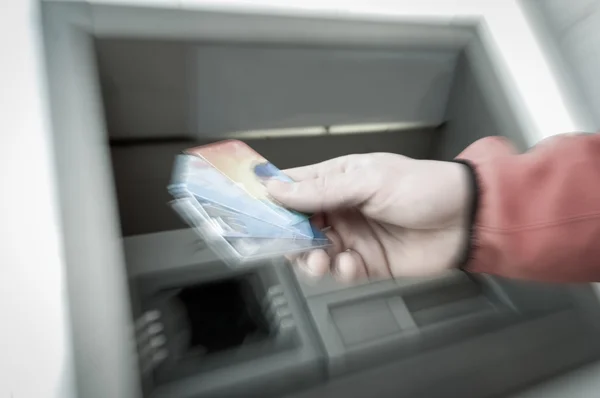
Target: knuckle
x: 357, y: 162
x: 321, y: 189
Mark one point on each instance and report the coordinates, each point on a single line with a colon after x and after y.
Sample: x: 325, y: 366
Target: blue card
x: 220, y: 191
x: 234, y: 224
x: 239, y: 251
x: 248, y: 170
x: 194, y: 176
x: 254, y: 249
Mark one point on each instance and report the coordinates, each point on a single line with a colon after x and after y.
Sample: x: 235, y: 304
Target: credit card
x: 248, y: 170
x: 249, y: 249
x: 194, y: 175
x: 236, y: 225
x: 241, y: 251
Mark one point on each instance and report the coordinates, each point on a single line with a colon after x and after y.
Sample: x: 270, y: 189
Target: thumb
x: 327, y: 193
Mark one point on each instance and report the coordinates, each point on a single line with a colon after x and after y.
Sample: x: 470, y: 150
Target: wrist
x: 470, y: 214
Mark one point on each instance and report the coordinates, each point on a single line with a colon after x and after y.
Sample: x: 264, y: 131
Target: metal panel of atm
x: 298, y: 90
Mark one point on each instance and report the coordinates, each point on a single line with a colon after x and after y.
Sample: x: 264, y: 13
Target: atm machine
x: 131, y: 87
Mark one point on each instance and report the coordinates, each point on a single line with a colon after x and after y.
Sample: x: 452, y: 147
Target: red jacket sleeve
x: 537, y: 214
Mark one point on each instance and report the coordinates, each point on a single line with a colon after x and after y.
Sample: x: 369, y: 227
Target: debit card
x: 235, y: 224
x: 241, y: 251
x: 194, y: 175
x: 249, y: 249
x: 249, y: 170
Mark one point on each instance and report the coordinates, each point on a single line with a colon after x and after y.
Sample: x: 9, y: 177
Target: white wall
x: 575, y: 29
x: 35, y: 337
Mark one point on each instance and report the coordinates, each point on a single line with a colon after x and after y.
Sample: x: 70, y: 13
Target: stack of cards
x: 219, y: 190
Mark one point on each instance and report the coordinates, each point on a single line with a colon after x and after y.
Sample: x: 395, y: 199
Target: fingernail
x: 343, y: 271
x: 307, y: 268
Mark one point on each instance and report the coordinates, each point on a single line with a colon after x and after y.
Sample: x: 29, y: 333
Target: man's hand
x: 389, y: 215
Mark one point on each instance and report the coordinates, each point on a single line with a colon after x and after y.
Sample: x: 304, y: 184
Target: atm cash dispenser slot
x: 207, y: 330
x: 203, y: 321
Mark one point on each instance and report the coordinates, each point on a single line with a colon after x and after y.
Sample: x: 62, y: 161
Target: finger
x: 304, y: 275
x: 358, y: 235
x: 292, y: 257
x: 302, y: 173
x: 331, y: 192
x: 300, y: 263
x: 318, y: 220
x: 336, y: 165
x: 315, y: 263
x: 337, y: 245
x: 349, y: 266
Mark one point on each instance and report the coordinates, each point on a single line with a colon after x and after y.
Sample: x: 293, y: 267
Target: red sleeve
x: 537, y: 215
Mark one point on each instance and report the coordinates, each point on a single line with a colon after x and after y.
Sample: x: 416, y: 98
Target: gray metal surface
x: 580, y: 383
x: 383, y: 321
x: 159, y: 252
x: 237, y: 26
x: 270, y: 87
x: 103, y: 341
x: 290, y: 358
x: 492, y: 365
x: 158, y: 89
x: 477, y: 107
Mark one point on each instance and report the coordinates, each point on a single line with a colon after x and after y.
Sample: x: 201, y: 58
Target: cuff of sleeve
x: 474, y: 189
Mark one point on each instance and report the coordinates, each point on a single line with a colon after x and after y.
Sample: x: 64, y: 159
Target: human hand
x: 389, y: 215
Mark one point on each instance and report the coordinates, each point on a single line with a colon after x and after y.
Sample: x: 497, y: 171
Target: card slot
x: 454, y: 310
